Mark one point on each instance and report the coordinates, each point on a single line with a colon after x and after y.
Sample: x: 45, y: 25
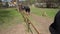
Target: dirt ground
x: 41, y: 23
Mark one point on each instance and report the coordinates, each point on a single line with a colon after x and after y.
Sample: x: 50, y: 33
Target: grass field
x: 49, y: 11
x: 9, y: 17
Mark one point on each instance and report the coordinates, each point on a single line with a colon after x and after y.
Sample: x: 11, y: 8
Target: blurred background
x: 42, y: 15
x: 36, y: 3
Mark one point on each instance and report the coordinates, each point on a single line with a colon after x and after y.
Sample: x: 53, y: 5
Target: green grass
x: 9, y: 17
x: 49, y: 11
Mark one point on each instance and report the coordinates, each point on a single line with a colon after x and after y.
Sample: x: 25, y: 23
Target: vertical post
x: 29, y: 29
x: 17, y: 3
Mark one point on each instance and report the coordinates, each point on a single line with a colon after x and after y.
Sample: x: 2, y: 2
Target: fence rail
x: 28, y: 22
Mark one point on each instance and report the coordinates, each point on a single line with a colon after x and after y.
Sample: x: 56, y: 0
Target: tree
x: 32, y: 1
x: 0, y: 3
x: 6, y: 3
